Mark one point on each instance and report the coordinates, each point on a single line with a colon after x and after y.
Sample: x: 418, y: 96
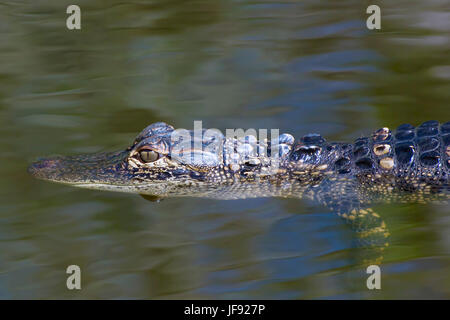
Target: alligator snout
x: 81, y: 169
x: 45, y: 168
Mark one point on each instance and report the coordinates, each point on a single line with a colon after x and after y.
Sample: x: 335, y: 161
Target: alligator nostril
x: 42, y: 165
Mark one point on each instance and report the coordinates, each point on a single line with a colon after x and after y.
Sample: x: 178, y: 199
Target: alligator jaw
x: 104, y: 171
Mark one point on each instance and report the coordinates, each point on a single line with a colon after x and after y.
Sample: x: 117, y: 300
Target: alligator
x: 411, y: 164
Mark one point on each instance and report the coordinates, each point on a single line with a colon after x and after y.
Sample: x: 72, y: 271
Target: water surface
x: 306, y: 66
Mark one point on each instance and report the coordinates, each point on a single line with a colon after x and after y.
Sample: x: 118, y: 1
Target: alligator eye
x: 148, y: 155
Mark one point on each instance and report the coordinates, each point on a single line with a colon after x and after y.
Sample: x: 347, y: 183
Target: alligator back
x: 408, y: 165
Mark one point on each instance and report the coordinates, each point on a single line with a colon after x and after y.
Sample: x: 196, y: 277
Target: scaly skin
x: 410, y: 165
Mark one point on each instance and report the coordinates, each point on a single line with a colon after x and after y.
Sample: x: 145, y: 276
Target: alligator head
x: 160, y: 162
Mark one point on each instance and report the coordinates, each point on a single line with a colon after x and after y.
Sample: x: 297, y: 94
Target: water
x: 309, y: 66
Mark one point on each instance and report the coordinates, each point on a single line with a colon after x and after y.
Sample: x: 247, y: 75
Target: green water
x: 306, y: 66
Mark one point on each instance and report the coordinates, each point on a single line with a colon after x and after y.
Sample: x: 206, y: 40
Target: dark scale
x: 404, y: 153
x: 361, y: 148
x: 313, y: 138
x: 405, y: 132
x: 308, y: 149
x: 428, y: 129
x: 361, y: 142
x: 405, y: 135
x: 346, y: 146
x: 445, y: 128
x: 341, y: 155
x: 430, y: 159
x: 405, y: 127
x: 446, y: 140
x: 364, y: 164
x: 343, y: 165
x: 305, y: 152
x: 431, y: 123
x: 427, y: 144
x: 360, y: 152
